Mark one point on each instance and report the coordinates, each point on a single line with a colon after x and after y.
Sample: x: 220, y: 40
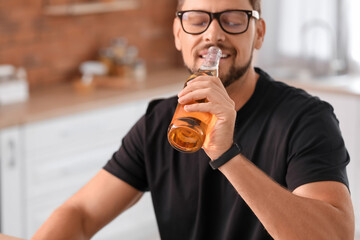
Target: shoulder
x: 291, y: 98
x: 159, y: 113
x: 289, y: 107
x: 161, y: 105
x: 161, y: 110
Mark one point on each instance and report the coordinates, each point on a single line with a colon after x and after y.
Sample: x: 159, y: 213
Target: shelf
x: 91, y: 8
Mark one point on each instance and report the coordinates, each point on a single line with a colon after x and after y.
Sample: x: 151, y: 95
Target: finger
x: 217, y: 109
x: 194, y: 95
x: 202, y: 82
x: 215, y: 97
x: 211, y: 94
x: 207, y: 81
x: 212, y: 79
x: 203, y: 93
x: 198, y: 107
x: 199, y: 91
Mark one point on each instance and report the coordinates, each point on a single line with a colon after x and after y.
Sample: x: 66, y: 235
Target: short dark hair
x: 256, y: 4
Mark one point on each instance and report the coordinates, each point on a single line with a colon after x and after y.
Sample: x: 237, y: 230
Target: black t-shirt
x: 291, y: 136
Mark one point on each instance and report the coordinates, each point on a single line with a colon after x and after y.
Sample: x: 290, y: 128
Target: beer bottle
x: 187, y: 130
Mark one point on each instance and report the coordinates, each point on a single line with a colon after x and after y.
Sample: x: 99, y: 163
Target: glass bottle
x: 187, y: 130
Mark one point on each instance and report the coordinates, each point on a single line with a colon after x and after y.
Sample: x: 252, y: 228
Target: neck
x: 241, y: 90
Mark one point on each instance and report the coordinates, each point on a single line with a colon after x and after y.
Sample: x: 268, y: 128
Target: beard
x: 234, y: 74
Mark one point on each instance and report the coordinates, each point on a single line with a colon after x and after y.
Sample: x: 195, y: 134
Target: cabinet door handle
x: 12, y: 155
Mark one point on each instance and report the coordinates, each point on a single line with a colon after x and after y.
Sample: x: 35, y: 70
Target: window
x: 315, y: 37
x: 354, y: 20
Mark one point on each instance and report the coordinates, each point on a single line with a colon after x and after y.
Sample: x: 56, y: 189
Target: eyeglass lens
x: 231, y: 21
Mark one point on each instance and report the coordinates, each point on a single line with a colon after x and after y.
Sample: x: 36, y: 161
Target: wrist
x: 215, y: 154
x: 234, y: 150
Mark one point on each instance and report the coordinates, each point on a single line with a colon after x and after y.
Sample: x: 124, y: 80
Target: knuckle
x: 207, y: 91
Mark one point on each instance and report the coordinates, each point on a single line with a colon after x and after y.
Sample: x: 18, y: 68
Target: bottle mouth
x: 214, y: 51
x: 213, y: 56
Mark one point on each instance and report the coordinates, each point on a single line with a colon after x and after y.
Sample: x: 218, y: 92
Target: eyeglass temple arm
x: 255, y: 14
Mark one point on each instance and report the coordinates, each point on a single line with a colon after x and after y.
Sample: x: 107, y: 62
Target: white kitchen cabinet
x: 12, y: 177
x: 347, y: 110
x: 43, y: 163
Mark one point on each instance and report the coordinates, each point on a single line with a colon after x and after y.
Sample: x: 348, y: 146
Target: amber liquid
x: 187, y: 130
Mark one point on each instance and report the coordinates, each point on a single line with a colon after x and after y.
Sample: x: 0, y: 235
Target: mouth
x: 223, y: 56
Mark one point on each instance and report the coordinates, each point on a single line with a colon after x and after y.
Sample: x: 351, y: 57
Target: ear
x: 260, y: 33
x: 176, y: 32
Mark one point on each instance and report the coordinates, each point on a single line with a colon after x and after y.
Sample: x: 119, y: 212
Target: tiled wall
x: 52, y: 47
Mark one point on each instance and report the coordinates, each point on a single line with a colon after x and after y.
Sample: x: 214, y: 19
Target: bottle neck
x: 210, y: 70
x: 211, y: 61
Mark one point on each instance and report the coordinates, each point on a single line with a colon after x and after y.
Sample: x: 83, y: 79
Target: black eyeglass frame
x: 250, y: 13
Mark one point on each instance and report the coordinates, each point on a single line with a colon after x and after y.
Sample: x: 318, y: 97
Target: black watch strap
x: 226, y: 156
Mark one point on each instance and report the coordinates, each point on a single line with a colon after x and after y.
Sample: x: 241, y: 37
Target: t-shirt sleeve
x: 317, y: 151
x: 128, y: 162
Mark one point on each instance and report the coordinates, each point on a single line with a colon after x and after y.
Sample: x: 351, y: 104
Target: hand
x: 219, y: 138
x: 6, y: 237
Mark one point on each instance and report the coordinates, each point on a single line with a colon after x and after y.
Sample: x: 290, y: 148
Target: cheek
x: 244, y: 52
x: 187, y: 51
x: 186, y: 56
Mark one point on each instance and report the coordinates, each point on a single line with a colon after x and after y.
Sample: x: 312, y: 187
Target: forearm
x: 66, y: 222
x: 284, y: 214
x: 102, y: 199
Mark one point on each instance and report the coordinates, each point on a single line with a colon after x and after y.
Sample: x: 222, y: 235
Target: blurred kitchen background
x: 313, y: 39
x: 51, y: 38
x: 76, y: 74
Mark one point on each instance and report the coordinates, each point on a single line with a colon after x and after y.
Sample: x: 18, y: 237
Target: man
x: 287, y: 180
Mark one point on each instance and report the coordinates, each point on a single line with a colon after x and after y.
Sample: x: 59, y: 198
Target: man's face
x: 237, y: 49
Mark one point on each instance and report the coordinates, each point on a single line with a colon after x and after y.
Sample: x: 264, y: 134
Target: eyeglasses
x: 231, y: 21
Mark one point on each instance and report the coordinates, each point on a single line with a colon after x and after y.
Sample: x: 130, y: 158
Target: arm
x: 6, y: 237
x: 102, y: 199
x: 320, y: 210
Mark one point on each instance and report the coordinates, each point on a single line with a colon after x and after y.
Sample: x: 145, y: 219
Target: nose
x: 214, y: 33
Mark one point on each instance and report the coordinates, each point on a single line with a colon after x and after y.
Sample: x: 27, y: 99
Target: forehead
x: 216, y: 5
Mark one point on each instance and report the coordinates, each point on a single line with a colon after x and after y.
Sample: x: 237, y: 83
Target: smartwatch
x: 234, y: 150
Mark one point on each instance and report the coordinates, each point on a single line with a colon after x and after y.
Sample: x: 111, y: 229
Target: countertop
x: 63, y: 100
x: 345, y: 84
